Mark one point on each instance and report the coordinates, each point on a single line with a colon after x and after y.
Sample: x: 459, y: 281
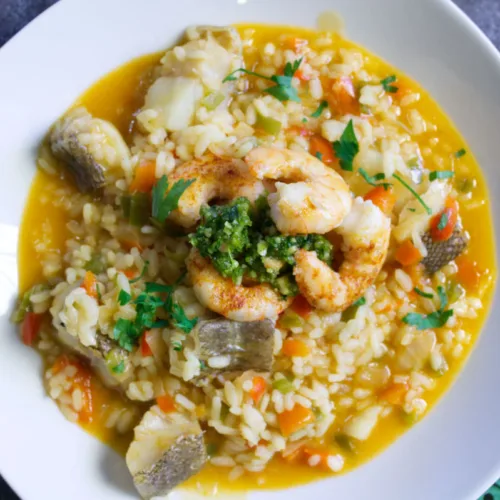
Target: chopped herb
x: 283, y: 90
x: 202, y: 367
x: 140, y: 209
x: 436, y: 319
x: 443, y: 220
x: 177, y: 346
x: 323, y: 105
x: 414, y: 193
x: 344, y: 442
x: 143, y: 272
x: 178, y: 316
x: 98, y: 291
x: 466, y: 185
x: 304, y: 120
x: 319, y: 156
x: 360, y: 302
x: 119, y: 368
x: 440, y: 174
x: 442, y: 298
x: 124, y: 297
x: 283, y: 385
x: 460, y: 153
x: 413, y: 162
x: 423, y: 294
x: 347, y: 147
x: 96, y: 264
x: 386, y: 83
x: 126, y: 334
x: 412, y: 209
x: 372, y: 179
x: 163, y: 203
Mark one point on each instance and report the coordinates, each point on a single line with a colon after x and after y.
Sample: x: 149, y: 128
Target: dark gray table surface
x: 14, y: 14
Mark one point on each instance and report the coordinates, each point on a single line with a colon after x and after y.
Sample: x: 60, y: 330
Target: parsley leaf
x: 124, y: 297
x: 119, y: 368
x: 177, y: 346
x: 443, y: 220
x: 386, y: 83
x: 433, y: 320
x: 319, y: 155
x: 283, y: 92
x: 414, y: 193
x: 126, y: 334
x: 360, y: 302
x: 440, y: 174
x: 460, y: 153
x: 179, y: 318
x: 164, y: 204
x: 423, y: 294
x: 442, y: 298
x: 372, y: 179
x: 322, y: 106
x: 143, y: 272
x: 231, y: 77
x: 347, y: 147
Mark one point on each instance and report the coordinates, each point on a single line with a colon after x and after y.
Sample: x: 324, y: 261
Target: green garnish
x: 163, y: 203
x: 178, y: 316
x: 304, y: 120
x: 24, y: 305
x: 319, y: 156
x: 323, y: 105
x: 119, y: 368
x: 460, y: 153
x: 414, y: 193
x: 440, y: 174
x: 143, y: 272
x: 412, y: 210
x: 124, y: 297
x: 177, y: 346
x: 423, y: 294
x: 436, y: 319
x: 360, y: 302
x: 413, y: 162
x: 242, y: 241
x: 96, y: 264
x: 386, y: 83
x: 350, y: 312
x: 344, y: 442
x: 373, y: 179
x: 283, y: 90
x: 443, y: 220
x: 347, y: 147
x: 283, y: 385
x: 268, y: 124
x: 136, y: 208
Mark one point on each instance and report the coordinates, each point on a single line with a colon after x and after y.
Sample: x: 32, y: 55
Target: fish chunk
x: 167, y: 449
x: 224, y: 345
x: 440, y: 253
x: 226, y: 36
x: 89, y: 147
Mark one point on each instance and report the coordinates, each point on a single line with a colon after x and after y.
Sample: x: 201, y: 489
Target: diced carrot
x: 382, y: 198
x: 301, y: 76
x: 90, y: 284
x: 443, y: 224
x: 129, y: 244
x: 408, y: 254
x: 301, y: 306
x: 166, y: 403
x: 291, y: 421
x: 297, y: 44
x: 145, y: 178
x: 295, y: 348
x: 145, y: 347
x: 302, y: 131
x: 130, y: 273
x: 394, y: 394
x: 258, y: 388
x: 342, y: 97
x: 310, y: 451
x: 31, y: 327
x: 468, y: 273
x: 322, y: 149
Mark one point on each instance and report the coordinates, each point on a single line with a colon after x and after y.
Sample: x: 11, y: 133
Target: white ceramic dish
x: 453, y: 453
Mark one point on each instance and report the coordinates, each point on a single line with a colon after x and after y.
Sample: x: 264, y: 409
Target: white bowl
x: 453, y: 453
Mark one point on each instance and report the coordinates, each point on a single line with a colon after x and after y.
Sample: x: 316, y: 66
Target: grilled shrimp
x: 366, y: 232
x: 215, y: 178
x: 312, y: 197
x: 236, y: 302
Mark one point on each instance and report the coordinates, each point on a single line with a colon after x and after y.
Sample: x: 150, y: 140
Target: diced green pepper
x: 466, y: 185
x: 290, y: 319
x: 268, y: 124
x: 125, y: 204
x: 96, y: 264
x: 140, y: 208
x: 24, y: 304
x: 283, y: 385
x: 455, y: 291
x: 344, y: 442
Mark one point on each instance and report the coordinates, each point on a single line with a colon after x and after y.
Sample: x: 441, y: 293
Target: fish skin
x: 440, y: 253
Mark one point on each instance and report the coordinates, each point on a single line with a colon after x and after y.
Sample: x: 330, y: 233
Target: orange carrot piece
x: 145, y: 178
x: 258, y: 389
x: 30, y: 327
x: 295, y: 348
x: 322, y: 149
x: 166, y: 403
x: 408, y: 254
x: 300, y: 75
x: 382, y: 198
x: 301, y: 306
x: 443, y: 224
x: 395, y: 394
x: 468, y: 273
x: 90, y: 284
x: 291, y: 421
x: 342, y: 98
x: 145, y: 347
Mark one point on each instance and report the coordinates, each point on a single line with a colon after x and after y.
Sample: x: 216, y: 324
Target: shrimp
x: 312, y: 197
x: 366, y: 233
x: 215, y: 178
x: 236, y: 302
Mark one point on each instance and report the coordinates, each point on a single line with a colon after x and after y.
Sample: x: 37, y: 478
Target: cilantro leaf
x: 440, y: 174
x: 423, y: 294
x: 433, y: 320
x: 119, y: 368
x: 164, y: 204
x: 347, y: 147
x: 283, y: 93
x: 460, y: 153
x: 360, y: 302
x: 319, y: 155
x: 124, y: 297
x: 322, y: 106
x: 414, y: 193
x: 372, y: 179
x: 179, y: 318
x: 291, y: 69
x: 386, y: 83
x: 126, y: 334
x: 143, y: 272
x: 231, y: 77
